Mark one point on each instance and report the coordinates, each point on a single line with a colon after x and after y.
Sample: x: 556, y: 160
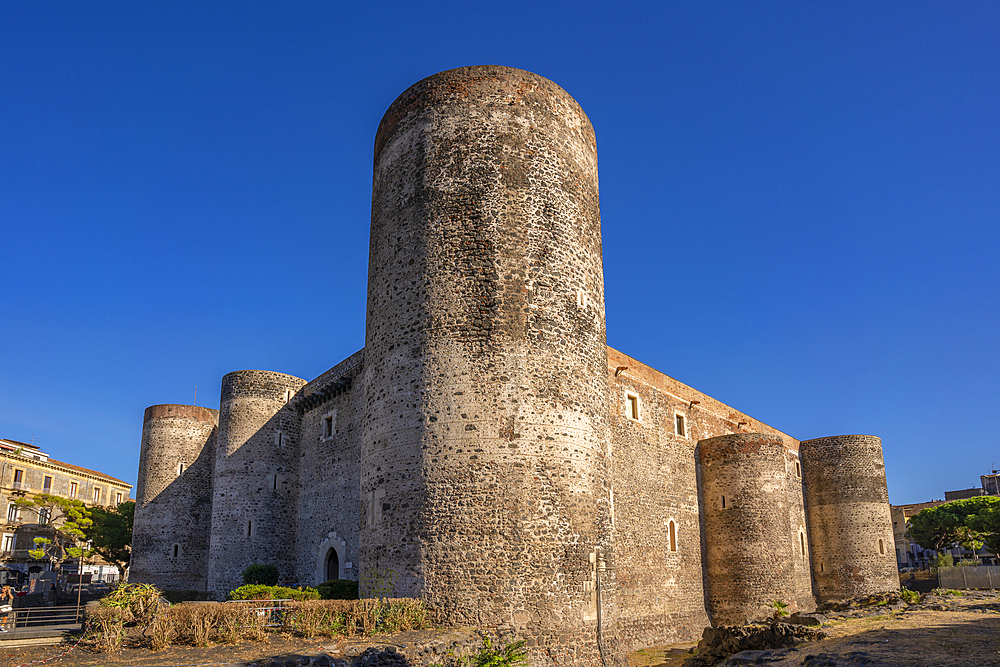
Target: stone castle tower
x: 486, y: 450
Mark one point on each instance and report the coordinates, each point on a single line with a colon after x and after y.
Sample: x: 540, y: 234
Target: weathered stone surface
x: 754, y: 532
x: 806, y: 619
x: 719, y: 643
x: 486, y: 450
x: 851, y: 542
x: 485, y: 435
x: 173, y: 513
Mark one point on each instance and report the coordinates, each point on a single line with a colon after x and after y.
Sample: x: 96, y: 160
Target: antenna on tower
x: 196, y: 394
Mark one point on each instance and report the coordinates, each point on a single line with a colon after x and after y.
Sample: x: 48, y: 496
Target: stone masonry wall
x: 329, y: 507
x: 254, y: 495
x: 484, y: 447
x: 655, y: 480
x: 745, y: 500
x: 850, y: 529
x: 173, y: 508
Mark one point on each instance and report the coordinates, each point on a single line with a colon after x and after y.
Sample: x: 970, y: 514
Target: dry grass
x: 195, y: 624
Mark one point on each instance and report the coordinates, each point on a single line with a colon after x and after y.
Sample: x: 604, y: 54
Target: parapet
x: 482, y: 86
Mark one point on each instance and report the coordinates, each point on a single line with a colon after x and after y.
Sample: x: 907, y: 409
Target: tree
x: 69, y: 519
x: 987, y: 522
x: 110, y: 534
x: 960, y: 522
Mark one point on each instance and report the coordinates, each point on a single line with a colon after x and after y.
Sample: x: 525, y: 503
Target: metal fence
x: 981, y: 576
x: 270, y: 612
x: 38, y: 617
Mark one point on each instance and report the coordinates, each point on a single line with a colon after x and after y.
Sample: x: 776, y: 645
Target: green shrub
x: 261, y: 592
x: 261, y: 574
x: 338, y: 589
x: 910, y: 597
x: 511, y: 655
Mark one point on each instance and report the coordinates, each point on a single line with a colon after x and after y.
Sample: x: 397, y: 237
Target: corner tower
x: 755, y: 532
x: 173, y: 497
x: 253, y: 499
x: 484, y: 473
x: 853, y: 549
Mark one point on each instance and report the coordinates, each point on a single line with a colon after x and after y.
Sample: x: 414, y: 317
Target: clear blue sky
x: 800, y: 203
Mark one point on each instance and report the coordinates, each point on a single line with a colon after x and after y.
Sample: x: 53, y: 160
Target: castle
x: 486, y: 450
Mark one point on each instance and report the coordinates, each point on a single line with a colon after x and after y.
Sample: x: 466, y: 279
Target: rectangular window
x: 798, y: 473
x: 12, y: 513
x: 679, y: 425
x: 118, y: 499
x: 43, y: 515
x: 8, y: 543
x: 327, y: 427
x: 47, y: 486
x: 18, y: 479
x: 632, y: 406
x: 180, y: 469
x: 73, y: 487
x: 97, y: 494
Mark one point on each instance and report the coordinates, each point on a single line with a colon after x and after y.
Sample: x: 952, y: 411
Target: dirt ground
x: 277, y: 647
x: 945, y: 631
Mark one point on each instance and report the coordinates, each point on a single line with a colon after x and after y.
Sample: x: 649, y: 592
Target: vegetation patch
x: 137, y: 615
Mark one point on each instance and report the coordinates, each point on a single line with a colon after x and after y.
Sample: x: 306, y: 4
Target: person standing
x: 6, y: 608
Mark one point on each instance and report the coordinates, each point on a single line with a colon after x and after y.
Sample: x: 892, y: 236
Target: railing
x: 37, y: 617
x: 970, y: 576
x: 272, y: 612
x: 19, y: 486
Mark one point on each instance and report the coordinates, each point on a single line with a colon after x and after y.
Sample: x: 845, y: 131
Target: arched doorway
x: 332, y: 565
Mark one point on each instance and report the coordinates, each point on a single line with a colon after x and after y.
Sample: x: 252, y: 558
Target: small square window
x: 632, y: 407
x: 680, y: 427
x: 328, y: 425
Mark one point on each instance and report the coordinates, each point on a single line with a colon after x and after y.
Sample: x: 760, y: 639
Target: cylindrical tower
x: 745, y: 503
x: 253, y: 503
x: 484, y: 446
x: 173, y: 508
x: 850, y: 530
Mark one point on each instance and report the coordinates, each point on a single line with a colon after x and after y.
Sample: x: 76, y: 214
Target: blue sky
x: 799, y: 202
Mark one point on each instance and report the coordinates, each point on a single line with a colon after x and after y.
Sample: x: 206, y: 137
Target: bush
x: 261, y: 574
x: 236, y: 622
x: 136, y: 603
x: 106, y: 628
x: 910, y: 597
x: 338, y: 589
x: 260, y: 592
